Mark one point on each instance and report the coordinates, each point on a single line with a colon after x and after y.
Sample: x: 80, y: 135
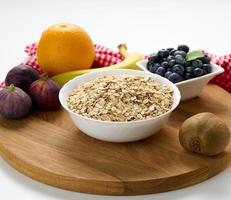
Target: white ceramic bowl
x: 193, y: 87
x: 117, y: 131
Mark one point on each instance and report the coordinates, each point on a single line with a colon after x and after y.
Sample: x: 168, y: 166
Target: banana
x: 128, y: 63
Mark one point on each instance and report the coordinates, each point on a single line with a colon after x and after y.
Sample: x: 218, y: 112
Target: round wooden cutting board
x: 49, y: 148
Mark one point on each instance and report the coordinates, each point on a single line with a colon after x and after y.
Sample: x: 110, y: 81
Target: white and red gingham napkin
x: 106, y: 57
x: 224, y: 79
x: 103, y: 57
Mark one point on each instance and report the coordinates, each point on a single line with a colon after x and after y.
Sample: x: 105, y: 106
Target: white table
x: 145, y: 26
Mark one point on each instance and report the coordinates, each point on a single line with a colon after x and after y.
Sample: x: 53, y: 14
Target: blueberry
x: 175, y: 78
x: 207, y: 68
x: 205, y: 60
x: 166, y: 53
x: 189, y: 69
x: 161, y: 53
x: 188, y: 76
x: 167, y: 74
x: 187, y: 64
x: 182, y: 53
x: 179, y: 59
x: 171, y: 62
x: 154, y: 67
x: 170, y: 58
x: 164, y: 64
x: 198, y: 72
x: 163, y: 59
x: 183, y: 47
x: 149, y: 65
x: 170, y: 49
x: 179, y: 69
x: 172, y: 52
x: 197, y: 63
x: 160, y: 71
x: 169, y: 69
x: 153, y: 58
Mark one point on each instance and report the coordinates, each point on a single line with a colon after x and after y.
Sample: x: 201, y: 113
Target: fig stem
x: 11, y: 88
x: 44, y: 76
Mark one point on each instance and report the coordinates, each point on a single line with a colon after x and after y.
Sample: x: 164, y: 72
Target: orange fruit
x: 65, y: 47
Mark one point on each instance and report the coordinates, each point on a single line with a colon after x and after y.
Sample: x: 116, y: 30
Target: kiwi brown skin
x: 204, y: 133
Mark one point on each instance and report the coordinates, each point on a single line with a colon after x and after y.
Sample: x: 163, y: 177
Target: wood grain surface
x: 47, y: 147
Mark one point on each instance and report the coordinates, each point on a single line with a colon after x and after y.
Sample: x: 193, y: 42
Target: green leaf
x: 192, y: 55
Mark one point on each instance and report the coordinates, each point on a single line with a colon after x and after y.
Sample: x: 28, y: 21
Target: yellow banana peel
x: 129, y: 62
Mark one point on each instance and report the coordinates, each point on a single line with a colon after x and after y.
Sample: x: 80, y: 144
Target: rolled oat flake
x: 121, y: 98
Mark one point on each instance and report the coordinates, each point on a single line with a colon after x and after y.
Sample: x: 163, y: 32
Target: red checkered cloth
x: 106, y: 57
x: 224, y: 79
x: 103, y: 57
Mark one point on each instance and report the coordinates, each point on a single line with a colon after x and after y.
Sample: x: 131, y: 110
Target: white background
x: 145, y: 26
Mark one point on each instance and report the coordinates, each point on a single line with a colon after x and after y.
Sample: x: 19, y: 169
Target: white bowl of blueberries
x: 190, y: 71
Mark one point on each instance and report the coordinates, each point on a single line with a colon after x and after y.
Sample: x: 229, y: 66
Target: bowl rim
x: 142, y: 64
x: 65, y: 86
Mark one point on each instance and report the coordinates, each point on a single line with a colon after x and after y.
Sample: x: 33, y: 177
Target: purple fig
x: 21, y: 76
x: 44, y: 93
x: 14, y: 102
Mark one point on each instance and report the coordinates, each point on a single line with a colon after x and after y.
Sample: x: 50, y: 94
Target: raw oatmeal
x: 121, y: 98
